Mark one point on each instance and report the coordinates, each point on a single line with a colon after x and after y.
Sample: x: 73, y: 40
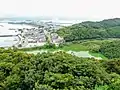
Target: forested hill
x: 102, y: 24
x: 109, y: 28
x: 58, y: 71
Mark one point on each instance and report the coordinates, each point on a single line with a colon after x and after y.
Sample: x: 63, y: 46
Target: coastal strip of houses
x: 30, y: 37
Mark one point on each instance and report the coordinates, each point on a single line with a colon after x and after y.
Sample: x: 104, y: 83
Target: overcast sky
x: 64, y: 8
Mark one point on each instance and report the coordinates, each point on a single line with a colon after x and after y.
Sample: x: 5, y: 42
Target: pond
x: 83, y: 54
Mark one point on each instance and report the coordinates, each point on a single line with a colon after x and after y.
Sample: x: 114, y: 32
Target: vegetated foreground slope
x: 59, y: 71
x: 111, y: 49
x: 92, y: 30
x: 107, y: 48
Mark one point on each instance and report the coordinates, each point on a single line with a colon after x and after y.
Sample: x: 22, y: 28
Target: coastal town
x: 27, y: 35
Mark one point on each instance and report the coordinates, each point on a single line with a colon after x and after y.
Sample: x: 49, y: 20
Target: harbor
x: 9, y: 34
x: 27, y: 35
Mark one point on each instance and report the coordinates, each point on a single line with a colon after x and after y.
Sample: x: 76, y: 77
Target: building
x: 32, y: 41
x: 58, y: 40
x: 54, y: 36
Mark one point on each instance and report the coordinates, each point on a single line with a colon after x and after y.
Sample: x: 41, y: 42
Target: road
x: 48, y: 36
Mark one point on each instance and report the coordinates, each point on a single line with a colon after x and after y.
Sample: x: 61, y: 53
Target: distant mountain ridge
x: 38, y: 18
x: 103, y: 23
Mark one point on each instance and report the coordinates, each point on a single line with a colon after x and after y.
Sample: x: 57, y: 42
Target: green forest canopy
x: 59, y: 71
x: 62, y: 71
x: 92, y: 30
x: 111, y: 49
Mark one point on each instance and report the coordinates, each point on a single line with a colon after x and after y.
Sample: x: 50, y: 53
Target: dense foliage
x: 58, y: 71
x: 111, y: 49
x: 92, y: 30
x: 46, y: 46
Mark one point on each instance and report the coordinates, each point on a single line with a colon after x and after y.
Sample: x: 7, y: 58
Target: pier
x: 8, y: 35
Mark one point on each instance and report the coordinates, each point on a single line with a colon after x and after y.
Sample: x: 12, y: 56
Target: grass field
x: 90, y: 45
x: 77, y: 47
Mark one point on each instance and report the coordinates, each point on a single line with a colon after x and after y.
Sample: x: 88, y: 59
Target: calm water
x: 83, y: 54
x: 4, y: 30
x: 8, y: 41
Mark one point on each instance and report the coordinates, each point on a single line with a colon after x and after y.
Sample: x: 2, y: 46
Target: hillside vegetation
x: 58, y: 71
x: 92, y: 30
x: 62, y: 71
x: 111, y: 49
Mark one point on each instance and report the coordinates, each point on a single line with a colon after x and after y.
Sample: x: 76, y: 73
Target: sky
x: 97, y: 9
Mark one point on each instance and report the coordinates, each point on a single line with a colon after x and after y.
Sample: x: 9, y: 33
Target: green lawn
x: 82, y: 47
x: 75, y: 47
x: 85, y: 46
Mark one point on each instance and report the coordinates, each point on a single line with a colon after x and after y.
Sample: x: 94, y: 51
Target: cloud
x: 66, y: 8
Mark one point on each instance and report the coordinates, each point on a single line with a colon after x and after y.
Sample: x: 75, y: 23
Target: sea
x: 8, y: 33
x: 6, y: 29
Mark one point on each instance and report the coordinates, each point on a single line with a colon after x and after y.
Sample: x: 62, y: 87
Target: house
x: 42, y: 38
x: 32, y: 41
x: 54, y: 35
x: 58, y: 40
